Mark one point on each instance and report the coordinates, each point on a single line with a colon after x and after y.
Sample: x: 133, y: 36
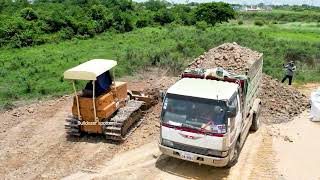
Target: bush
x: 66, y: 33
x: 164, y: 16
x: 86, y: 28
x: 202, y: 25
x: 28, y: 14
x: 54, y: 23
x: 98, y: 12
x: 240, y: 22
x: 141, y: 23
x: 123, y: 22
x: 299, y: 55
x: 258, y: 23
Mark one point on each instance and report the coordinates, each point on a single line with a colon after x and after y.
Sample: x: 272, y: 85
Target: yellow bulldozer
x: 104, y: 106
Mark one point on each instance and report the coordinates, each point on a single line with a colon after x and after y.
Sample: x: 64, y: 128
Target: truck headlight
x: 217, y: 153
x: 166, y: 142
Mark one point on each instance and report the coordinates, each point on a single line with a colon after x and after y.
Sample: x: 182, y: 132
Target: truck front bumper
x: 201, y: 159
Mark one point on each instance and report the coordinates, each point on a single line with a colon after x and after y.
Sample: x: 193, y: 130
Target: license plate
x: 186, y: 156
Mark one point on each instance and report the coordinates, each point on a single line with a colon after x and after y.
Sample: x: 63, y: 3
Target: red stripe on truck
x: 187, y: 129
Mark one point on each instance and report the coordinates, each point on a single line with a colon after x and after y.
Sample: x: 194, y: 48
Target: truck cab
x: 202, y: 121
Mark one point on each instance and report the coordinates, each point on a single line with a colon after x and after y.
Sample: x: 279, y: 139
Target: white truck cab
x: 196, y: 123
x: 206, y: 120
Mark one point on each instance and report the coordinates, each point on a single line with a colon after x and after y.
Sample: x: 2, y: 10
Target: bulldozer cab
x: 97, y: 72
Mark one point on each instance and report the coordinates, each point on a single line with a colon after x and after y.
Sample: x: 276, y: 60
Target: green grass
x: 310, y: 37
x: 38, y: 71
x: 35, y: 72
x: 282, y: 16
x: 297, y: 31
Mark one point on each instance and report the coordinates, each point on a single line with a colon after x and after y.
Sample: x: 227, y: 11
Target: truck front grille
x: 193, y: 149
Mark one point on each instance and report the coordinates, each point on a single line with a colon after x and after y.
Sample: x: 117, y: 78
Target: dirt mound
x: 280, y: 102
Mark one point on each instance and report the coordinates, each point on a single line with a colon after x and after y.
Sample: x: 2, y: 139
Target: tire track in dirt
x: 256, y: 161
x: 37, y: 147
x: 34, y: 143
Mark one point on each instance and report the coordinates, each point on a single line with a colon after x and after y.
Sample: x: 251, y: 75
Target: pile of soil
x: 230, y: 56
x: 280, y: 102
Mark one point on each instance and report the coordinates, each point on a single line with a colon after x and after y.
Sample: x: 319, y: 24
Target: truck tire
x: 236, y: 152
x: 255, y: 122
x: 255, y: 115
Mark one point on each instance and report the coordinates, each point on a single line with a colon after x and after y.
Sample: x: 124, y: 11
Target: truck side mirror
x: 162, y: 95
x: 232, y: 111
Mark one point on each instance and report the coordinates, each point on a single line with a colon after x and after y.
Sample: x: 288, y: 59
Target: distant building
x: 256, y: 8
x: 236, y: 7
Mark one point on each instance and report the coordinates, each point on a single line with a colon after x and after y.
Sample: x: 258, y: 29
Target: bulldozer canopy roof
x: 89, y: 70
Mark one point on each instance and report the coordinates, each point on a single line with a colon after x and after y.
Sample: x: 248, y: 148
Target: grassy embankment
x: 282, y: 16
x: 38, y: 71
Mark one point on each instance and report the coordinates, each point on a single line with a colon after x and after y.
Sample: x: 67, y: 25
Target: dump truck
x: 104, y: 106
x: 206, y: 115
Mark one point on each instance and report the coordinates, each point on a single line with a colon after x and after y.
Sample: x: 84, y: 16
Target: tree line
x: 25, y: 23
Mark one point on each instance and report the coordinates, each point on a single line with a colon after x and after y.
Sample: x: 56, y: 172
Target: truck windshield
x: 193, y: 112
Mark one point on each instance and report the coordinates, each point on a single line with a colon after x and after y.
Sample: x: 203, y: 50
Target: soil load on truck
x: 280, y: 102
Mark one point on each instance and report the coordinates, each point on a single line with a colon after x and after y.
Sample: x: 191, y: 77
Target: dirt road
x: 297, y: 149
x: 274, y: 152
x: 146, y: 162
x: 34, y: 144
x: 295, y: 144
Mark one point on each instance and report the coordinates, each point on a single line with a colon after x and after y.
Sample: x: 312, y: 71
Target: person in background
x: 290, y: 68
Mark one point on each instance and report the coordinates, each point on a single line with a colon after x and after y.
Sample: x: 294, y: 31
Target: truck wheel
x: 255, y: 122
x: 236, y: 152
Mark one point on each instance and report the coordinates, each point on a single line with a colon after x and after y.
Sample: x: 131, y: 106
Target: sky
x: 252, y: 2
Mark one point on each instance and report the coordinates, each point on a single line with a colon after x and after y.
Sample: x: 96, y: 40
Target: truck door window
x: 233, y: 102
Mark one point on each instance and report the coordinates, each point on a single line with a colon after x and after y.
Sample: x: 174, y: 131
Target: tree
x: 4, y: 4
x: 214, y: 13
x: 123, y: 5
x: 163, y: 16
x: 123, y: 22
x: 22, y: 3
x: 183, y: 13
x: 155, y: 5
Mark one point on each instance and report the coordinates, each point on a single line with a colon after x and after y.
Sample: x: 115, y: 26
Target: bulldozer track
x: 119, y: 127
x: 125, y: 121
x: 72, y: 126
